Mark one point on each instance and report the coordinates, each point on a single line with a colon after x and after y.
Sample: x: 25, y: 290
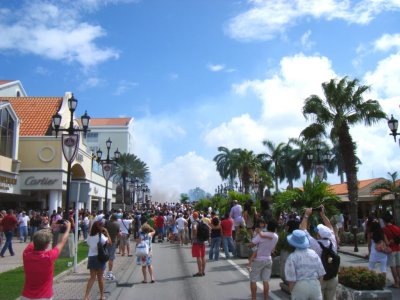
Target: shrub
x: 360, y: 278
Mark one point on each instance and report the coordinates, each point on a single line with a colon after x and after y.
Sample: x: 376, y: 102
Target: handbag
x: 381, y: 247
x: 142, y: 249
x: 102, y: 251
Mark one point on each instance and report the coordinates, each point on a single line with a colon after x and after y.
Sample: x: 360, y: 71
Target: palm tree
x: 342, y: 108
x: 224, y: 162
x: 336, y: 162
x: 390, y: 187
x: 276, y: 156
x: 129, y: 165
x: 247, y: 165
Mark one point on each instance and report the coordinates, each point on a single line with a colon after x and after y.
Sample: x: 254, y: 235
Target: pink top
x: 39, y: 272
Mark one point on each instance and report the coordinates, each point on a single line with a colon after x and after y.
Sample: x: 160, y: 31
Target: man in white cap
x: 326, y: 238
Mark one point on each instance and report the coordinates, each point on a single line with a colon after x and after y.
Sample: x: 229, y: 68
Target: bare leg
x: 253, y: 289
x: 151, y: 272
x: 144, y: 273
x: 91, y: 280
x: 100, y: 280
x: 199, y: 264
x: 266, y: 290
x: 203, y: 265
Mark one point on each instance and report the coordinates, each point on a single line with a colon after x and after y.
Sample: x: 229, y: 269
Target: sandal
x: 152, y: 281
x: 197, y: 275
x: 144, y: 281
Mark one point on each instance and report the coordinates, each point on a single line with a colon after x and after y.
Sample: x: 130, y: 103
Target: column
x: 55, y: 198
x: 89, y: 204
x: 101, y: 201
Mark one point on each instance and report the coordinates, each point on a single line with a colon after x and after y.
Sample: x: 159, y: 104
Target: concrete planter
x: 346, y: 293
x: 276, y: 265
x: 243, y: 250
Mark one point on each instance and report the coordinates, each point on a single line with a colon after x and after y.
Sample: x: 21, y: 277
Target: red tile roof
x: 109, y: 121
x: 341, y: 188
x: 5, y: 81
x: 35, y: 113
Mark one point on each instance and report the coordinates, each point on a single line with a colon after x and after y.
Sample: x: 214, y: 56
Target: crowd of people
x: 305, y: 269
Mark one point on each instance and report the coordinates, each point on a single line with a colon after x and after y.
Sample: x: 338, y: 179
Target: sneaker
x: 110, y: 276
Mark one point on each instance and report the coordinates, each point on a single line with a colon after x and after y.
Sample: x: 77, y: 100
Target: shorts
x: 111, y: 250
x: 95, y: 264
x: 124, y: 240
x: 261, y: 270
x: 181, y: 233
x: 394, y: 259
x: 144, y: 261
x: 160, y: 231
x: 198, y: 250
x: 24, y: 298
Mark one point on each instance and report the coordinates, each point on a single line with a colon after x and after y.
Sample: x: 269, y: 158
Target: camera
x: 317, y: 209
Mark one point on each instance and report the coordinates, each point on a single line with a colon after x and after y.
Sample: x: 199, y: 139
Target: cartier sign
x: 42, y: 181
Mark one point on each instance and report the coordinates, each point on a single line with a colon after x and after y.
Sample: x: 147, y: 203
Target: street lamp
x: 319, y: 163
x: 70, y: 142
x: 107, y: 166
x: 393, y: 125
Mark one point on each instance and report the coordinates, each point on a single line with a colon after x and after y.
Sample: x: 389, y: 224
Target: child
x: 261, y: 230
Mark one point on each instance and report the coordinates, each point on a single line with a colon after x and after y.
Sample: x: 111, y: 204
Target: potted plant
x: 243, y: 243
x: 361, y: 283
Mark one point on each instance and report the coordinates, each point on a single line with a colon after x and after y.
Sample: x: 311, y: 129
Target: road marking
x: 246, y: 274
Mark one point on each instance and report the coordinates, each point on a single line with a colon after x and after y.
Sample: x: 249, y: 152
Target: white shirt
x: 303, y: 264
x: 24, y: 220
x: 92, y: 242
x: 181, y: 222
x: 124, y: 226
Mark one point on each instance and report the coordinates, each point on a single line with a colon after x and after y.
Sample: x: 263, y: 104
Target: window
x: 6, y: 133
x: 92, y: 137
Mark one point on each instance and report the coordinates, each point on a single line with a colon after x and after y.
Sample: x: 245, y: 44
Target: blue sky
x: 200, y: 74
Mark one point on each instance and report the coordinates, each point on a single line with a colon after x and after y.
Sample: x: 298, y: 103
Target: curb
x: 355, y: 254
x: 69, y: 270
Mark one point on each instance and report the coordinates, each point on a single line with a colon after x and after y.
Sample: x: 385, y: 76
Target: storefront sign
x: 43, y: 181
x: 8, y: 180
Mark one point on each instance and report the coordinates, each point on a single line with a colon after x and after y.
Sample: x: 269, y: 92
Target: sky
x: 199, y: 74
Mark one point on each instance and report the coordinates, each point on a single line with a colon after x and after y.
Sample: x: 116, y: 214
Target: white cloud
x: 388, y: 42
x: 386, y: 77
x: 53, y: 30
x: 189, y: 170
x: 215, y: 67
x: 265, y: 19
x: 240, y: 132
x: 41, y: 70
x: 305, y: 40
x: 124, y: 86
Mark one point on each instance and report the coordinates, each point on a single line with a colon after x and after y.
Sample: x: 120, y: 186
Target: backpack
x: 203, y: 231
x: 330, y: 260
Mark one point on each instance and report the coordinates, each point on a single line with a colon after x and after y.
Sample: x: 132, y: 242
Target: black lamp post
x: 107, y: 165
x: 393, y: 125
x: 319, y: 163
x: 70, y: 142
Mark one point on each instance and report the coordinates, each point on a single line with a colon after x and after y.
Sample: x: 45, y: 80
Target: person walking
x: 392, y: 233
x: 9, y: 224
x: 113, y: 229
x: 23, y: 221
x: 126, y: 229
x: 146, y: 234
x: 262, y: 263
x: 376, y: 256
x: 327, y: 238
x: 35, y: 222
x: 303, y: 269
x: 236, y: 215
x: 2, y: 215
x: 39, y: 264
x: 216, y: 233
x: 227, y: 240
x: 96, y: 267
x: 181, y: 225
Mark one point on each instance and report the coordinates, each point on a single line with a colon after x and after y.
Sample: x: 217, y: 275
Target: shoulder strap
x: 122, y: 221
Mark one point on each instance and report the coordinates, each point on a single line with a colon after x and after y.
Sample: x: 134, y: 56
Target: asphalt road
x: 225, y: 279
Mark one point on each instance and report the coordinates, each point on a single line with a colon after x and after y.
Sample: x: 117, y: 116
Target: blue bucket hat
x: 298, y: 239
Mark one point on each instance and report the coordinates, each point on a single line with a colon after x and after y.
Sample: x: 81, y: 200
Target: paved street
x: 174, y: 266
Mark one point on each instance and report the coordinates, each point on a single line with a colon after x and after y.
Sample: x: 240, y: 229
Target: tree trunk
x: 348, y: 150
x: 396, y: 205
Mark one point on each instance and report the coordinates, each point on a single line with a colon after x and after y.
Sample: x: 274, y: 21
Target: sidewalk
x: 362, y: 251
